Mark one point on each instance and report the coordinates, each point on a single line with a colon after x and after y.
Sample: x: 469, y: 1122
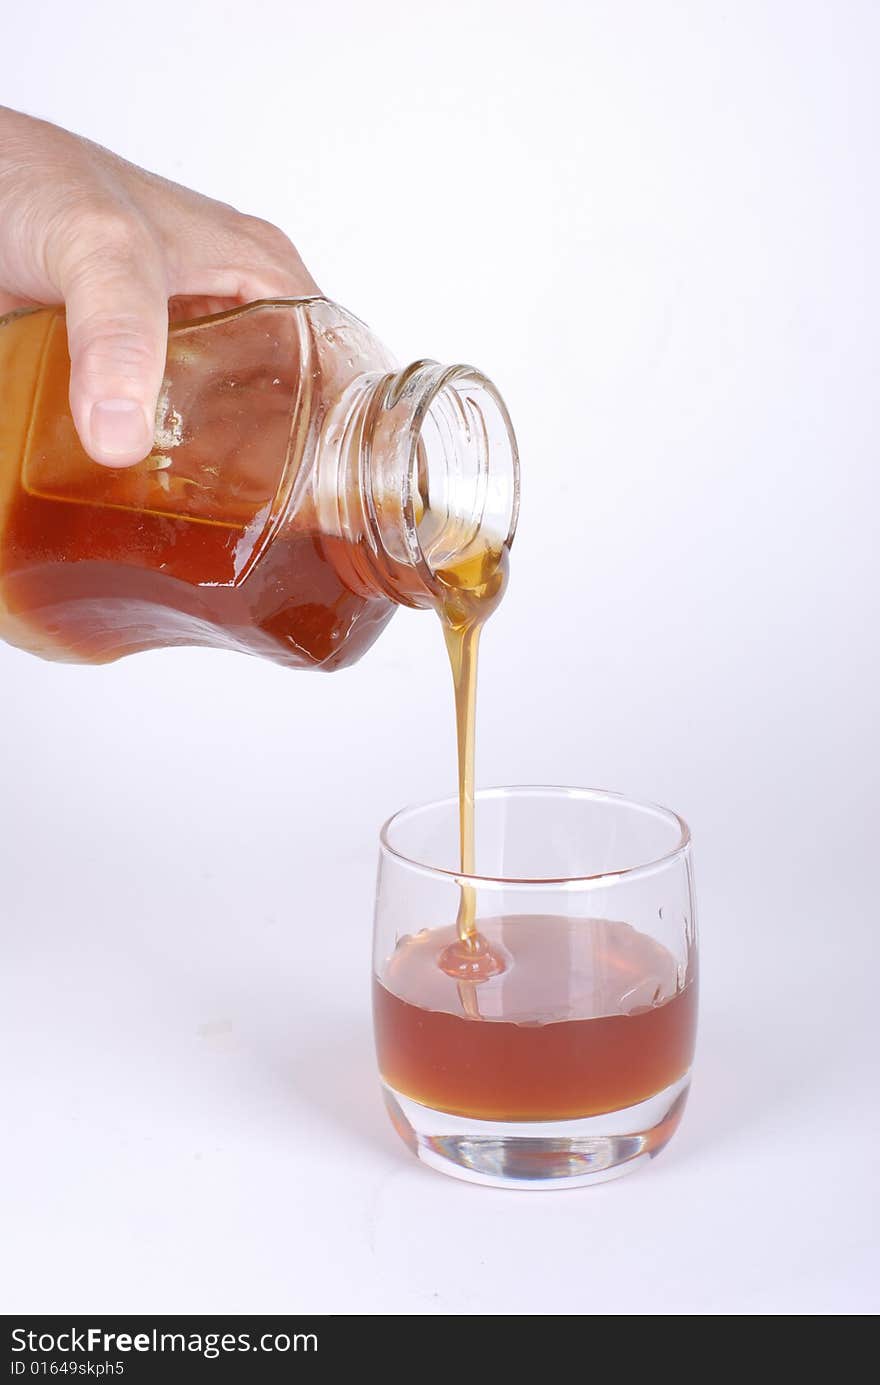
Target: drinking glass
x: 556, y: 1050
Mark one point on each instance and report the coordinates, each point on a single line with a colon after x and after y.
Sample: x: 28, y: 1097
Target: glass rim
x: 591, y: 881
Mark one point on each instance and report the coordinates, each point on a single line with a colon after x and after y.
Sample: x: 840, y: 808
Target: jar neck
x: 422, y: 478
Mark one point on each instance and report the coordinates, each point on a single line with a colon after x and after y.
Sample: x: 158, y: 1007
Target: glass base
x: 540, y: 1155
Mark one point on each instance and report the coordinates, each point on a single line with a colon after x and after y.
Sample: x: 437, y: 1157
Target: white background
x: 657, y: 227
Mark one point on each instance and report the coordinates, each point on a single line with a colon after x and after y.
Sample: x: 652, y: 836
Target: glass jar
x: 300, y: 487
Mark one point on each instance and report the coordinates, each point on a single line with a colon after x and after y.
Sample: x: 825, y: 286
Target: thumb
x: 117, y: 330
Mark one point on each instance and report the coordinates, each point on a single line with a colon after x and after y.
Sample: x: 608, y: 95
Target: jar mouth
x: 463, y: 472
x: 448, y: 520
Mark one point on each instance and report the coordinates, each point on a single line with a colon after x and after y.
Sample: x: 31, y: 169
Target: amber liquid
x: 137, y: 559
x: 588, y: 1016
x: 469, y: 593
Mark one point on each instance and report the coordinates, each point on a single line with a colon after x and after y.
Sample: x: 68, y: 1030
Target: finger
x: 263, y: 283
x: 185, y: 307
x: 117, y: 328
x: 271, y: 264
x: 242, y: 260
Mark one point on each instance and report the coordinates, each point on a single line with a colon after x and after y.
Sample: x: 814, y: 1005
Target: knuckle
x: 92, y: 237
x: 109, y: 229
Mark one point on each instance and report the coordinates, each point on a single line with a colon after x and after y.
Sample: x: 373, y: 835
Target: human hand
x: 114, y: 243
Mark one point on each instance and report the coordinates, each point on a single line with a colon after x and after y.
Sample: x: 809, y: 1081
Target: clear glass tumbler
x: 557, y: 1052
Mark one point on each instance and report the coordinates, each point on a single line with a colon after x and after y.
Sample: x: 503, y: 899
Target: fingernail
x: 119, y: 429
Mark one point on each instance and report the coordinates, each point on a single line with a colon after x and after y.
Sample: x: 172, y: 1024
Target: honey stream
x: 471, y: 592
